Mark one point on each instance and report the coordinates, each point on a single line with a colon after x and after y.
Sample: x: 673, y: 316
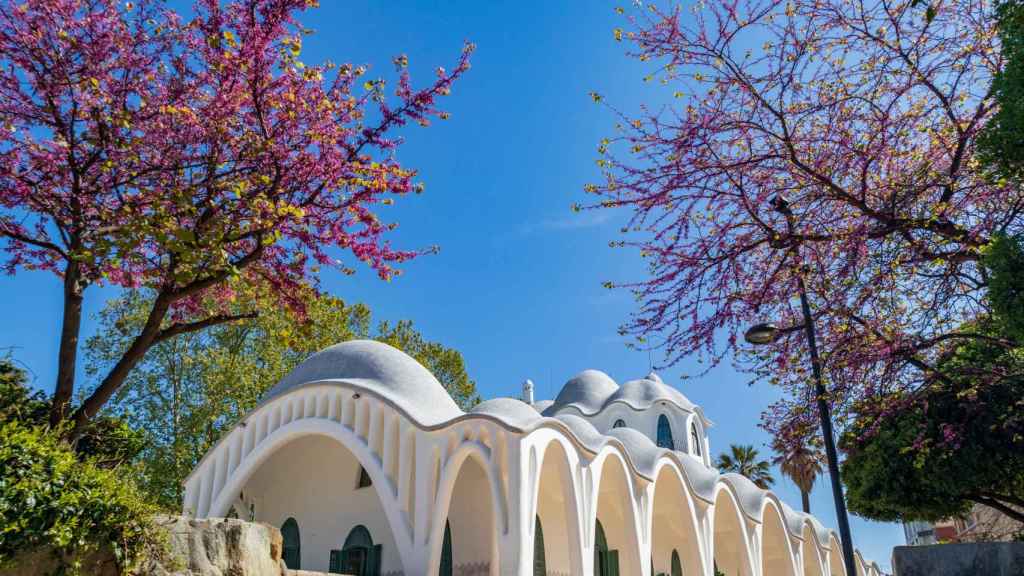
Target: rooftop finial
x: 528, y: 391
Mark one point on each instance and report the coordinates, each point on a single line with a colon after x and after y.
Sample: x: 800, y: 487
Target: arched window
x: 606, y: 562
x: 695, y: 438
x: 620, y: 423
x: 677, y: 566
x: 291, y: 546
x: 359, y: 556
x: 446, y: 551
x: 540, y: 565
x: 665, y: 434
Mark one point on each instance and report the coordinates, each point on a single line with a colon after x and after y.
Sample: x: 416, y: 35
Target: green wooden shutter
x: 677, y: 566
x: 373, y: 560
x: 291, y: 548
x: 446, y: 552
x: 540, y: 567
x: 336, y: 562
x: 612, y: 563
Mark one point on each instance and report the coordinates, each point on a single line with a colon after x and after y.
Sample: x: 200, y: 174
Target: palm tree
x: 743, y: 460
x: 802, y: 464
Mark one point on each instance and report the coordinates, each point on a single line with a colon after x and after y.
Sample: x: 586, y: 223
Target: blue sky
x: 517, y: 284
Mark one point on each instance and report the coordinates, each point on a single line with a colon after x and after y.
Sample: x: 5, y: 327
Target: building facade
x: 370, y: 468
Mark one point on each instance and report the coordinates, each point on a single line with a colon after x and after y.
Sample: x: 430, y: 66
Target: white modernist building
x: 370, y: 468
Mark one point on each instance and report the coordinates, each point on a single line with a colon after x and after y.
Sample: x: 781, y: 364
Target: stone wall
x: 974, y: 559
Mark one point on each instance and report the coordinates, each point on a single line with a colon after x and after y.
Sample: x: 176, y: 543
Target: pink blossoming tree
x: 863, y: 115
x: 195, y: 158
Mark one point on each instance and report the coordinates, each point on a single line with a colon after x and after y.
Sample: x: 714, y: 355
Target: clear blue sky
x: 517, y: 284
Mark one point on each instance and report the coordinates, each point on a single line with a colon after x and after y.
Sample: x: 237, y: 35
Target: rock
x: 218, y: 547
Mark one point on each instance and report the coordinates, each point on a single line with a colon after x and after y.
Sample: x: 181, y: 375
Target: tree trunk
x: 805, y: 501
x: 119, y: 373
x: 994, y: 503
x: 67, y: 356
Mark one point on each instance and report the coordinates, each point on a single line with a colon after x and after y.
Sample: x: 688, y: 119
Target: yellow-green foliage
x: 51, y: 500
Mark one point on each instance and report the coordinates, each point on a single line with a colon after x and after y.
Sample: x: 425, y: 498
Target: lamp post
x: 766, y: 333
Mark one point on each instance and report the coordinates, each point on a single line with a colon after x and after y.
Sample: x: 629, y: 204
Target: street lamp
x: 766, y: 333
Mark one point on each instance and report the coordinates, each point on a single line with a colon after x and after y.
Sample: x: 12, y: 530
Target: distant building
x: 370, y: 468
x: 982, y: 524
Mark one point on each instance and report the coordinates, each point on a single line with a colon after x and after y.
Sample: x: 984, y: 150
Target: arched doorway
x: 615, y: 522
x: 731, y: 554
x: 359, y: 556
x: 540, y: 566
x: 291, y: 548
x: 472, y: 531
x: 673, y: 526
x: 316, y: 479
x: 606, y: 562
x: 557, y: 514
x: 776, y: 556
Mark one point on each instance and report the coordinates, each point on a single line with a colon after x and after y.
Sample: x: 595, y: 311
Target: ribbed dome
x: 386, y: 370
x: 642, y: 394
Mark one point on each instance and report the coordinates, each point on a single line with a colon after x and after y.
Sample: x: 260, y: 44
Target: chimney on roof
x: 528, y: 391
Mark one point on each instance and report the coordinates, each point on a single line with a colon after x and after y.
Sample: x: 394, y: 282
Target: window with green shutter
x: 606, y: 562
x: 677, y: 566
x: 359, y: 555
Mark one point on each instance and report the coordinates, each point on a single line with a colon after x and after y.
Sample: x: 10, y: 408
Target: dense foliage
x: 190, y: 156
x: 190, y: 390
x: 935, y: 459
x: 69, y: 502
x: 107, y: 441
x: 865, y: 118
x: 50, y: 500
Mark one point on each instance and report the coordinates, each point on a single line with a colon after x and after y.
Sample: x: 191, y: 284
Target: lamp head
x: 761, y: 333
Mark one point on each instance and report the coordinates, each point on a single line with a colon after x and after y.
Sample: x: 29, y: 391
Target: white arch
x: 449, y: 478
x: 776, y: 551
x: 813, y: 558
x: 555, y: 448
x: 633, y: 561
x: 727, y: 503
x: 669, y: 482
x: 294, y: 430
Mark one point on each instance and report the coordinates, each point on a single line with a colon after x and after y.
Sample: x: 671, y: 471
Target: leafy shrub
x: 49, y: 499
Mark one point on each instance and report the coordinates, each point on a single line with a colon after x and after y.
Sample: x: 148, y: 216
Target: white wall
x: 313, y: 479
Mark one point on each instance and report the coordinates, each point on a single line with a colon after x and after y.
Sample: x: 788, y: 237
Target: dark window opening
x: 364, y: 478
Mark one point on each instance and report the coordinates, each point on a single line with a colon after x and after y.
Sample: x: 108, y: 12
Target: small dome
x: 588, y: 391
x: 510, y: 410
x: 381, y: 368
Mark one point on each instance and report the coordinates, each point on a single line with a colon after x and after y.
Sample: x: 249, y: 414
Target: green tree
x: 744, y: 460
x: 1001, y: 142
x: 802, y: 463
x: 936, y: 459
x: 106, y: 441
x: 191, y: 389
x: 935, y: 454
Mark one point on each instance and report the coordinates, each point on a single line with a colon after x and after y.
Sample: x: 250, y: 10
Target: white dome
x: 587, y: 391
x: 386, y: 370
